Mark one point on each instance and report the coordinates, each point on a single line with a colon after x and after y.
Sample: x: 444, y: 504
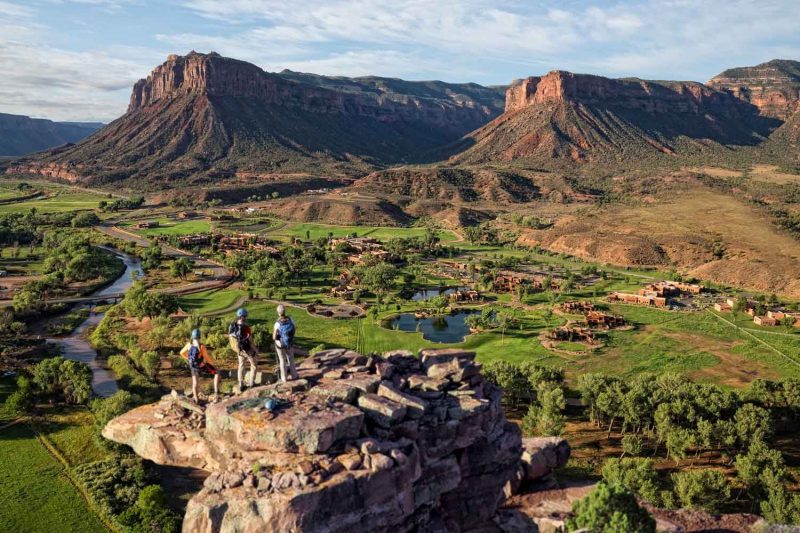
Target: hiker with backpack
x: 241, y: 341
x: 197, y: 356
x: 283, y: 335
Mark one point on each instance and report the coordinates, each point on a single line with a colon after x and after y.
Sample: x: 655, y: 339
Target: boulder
x: 542, y: 455
x: 382, y: 411
x: 361, y: 444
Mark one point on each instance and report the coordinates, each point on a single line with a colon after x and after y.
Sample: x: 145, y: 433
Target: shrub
x: 610, y: 509
x: 706, y: 489
x: 637, y: 475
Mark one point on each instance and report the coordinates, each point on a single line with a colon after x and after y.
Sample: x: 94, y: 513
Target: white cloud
x: 51, y: 71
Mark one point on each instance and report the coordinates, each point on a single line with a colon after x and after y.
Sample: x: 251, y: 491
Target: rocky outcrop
x: 360, y: 443
x: 580, y: 118
x: 208, y: 118
x: 217, y: 76
x: 648, y: 96
x: 773, y: 87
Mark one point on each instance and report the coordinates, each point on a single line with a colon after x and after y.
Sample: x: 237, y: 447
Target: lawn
x: 71, y: 431
x: 61, y: 199
x: 315, y: 231
x: 210, y: 301
x: 170, y: 227
x: 35, y: 494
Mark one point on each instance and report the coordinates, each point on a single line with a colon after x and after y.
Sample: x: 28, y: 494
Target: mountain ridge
x: 21, y: 134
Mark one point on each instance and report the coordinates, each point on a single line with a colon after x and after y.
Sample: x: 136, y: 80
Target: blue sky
x: 77, y: 59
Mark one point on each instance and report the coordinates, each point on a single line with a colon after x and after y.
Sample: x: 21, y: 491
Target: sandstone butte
x: 360, y: 443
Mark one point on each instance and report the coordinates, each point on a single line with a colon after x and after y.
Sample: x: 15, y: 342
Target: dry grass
x: 757, y: 255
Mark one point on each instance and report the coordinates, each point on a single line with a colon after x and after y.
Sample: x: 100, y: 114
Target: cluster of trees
x: 74, y: 256
x: 687, y: 417
x: 141, y: 303
x: 542, y: 386
x: 55, y: 379
x: 119, y: 204
x: 128, y: 491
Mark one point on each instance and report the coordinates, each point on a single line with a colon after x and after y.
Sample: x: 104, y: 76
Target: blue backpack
x: 195, y: 359
x: 286, y: 332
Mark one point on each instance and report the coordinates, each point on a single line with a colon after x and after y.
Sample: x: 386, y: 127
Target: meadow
x: 167, y: 226
x: 59, y: 198
x: 303, y: 230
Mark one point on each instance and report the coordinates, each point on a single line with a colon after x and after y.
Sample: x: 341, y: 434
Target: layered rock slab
x: 365, y: 443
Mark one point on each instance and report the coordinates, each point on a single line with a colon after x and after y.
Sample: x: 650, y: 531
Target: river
x: 77, y: 347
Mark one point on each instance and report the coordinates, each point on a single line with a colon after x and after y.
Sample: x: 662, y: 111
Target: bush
x: 72, y: 380
x: 705, y: 489
x: 632, y: 445
x: 151, y: 514
x: 610, y: 509
x: 637, y: 475
x: 20, y: 401
x: 85, y: 219
x: 105, y: 409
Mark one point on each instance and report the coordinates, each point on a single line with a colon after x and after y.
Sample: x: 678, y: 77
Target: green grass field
x: 315, y: 231
x: 210, y: 301
x: 61, y: 199
x: 35, y: 494
x: 172, y: 227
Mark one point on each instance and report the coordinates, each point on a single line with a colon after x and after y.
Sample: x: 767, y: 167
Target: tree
x: 504, y: 320
x: 151, y: 257
x: 753, y: 423
x: 378, y: 278
x: 705, y: 489
x: 610, y: 508
x: 85, y: 219
x: 781, y: 507
x: 473, y: 234
x: 70, y: 379
x: 632, y: 445
x: 760, y: 468
x: 545, y: 416
x: 635, y: 474
x: 140, y: 303
x: 181, y: 267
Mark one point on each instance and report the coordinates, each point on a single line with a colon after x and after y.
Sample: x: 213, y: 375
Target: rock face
x: 773, y: 87
x: 463, y: 107
x: 585, y: 118
x: 648, y: 96
x: 360, y: 444
x: 208, y: 117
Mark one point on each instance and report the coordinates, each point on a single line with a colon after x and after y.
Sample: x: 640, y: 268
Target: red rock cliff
x: 649, y: 96
x: 214, y: 75
x: 773, y: 87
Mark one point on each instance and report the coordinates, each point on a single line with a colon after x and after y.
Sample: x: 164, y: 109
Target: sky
x: 78, y: 59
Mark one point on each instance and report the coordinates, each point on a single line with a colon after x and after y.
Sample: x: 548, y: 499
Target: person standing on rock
x: 283, y: 335
x: 241, y: 340
x: 197, y: 356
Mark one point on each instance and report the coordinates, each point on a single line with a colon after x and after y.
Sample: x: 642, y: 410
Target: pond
x: 448, y: 329
x: 427, y: 294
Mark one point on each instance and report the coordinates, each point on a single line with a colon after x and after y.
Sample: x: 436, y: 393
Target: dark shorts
x: 205, y: 367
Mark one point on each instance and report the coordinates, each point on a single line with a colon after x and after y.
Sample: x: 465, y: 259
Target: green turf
x: 210, y: 301
x: 71, y: 431
x: 315, y: 231
x: 35, y: 494
x: 61, y: 199
x: 171, y: 227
